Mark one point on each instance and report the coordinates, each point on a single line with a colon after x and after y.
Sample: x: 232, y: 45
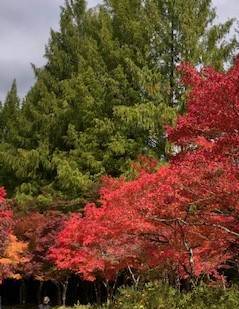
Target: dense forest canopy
x: 122, y: 159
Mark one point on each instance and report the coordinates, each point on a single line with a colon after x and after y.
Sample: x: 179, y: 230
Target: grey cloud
x: 226, y: 9
x: 24, y: 31
x: 93, y: 2
x: 21, y: 71
x: 31, y: 18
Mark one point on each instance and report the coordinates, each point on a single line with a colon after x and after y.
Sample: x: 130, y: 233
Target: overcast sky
x: 24, y: 31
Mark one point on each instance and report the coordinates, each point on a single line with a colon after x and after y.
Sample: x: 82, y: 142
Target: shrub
x: 159, y: 296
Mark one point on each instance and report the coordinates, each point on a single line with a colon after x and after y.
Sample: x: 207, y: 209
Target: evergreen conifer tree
x: 109, y: 86
x: 9, y: 113
x: 9, y: 137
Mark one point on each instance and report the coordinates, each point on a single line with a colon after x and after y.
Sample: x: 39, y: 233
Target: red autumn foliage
x: 212, y: 111
x: 39, y: 231
x: 184, y: 218
x: 5, y: 221
x: 11, y: 250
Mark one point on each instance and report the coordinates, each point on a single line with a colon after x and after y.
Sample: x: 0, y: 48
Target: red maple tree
x: 184, y: 217
x: 39, y: 232
x: 12, y: 251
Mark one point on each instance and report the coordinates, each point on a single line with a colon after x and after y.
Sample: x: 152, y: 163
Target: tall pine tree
x: 9, y: 114
x: 9, y: 137
x: 109, y: 86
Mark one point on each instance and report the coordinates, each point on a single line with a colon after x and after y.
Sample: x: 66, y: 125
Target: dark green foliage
x: 9, y: 117
x: 9, y: 136
x: 109, y: 87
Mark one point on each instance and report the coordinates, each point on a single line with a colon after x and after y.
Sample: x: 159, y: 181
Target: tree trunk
x: 97, y: 292
x: 22, y: 293
x: 76, y: 293
x: 58, y: 293
x: 0, y: 295
x: 108, y: 292
x: 172, y: 64
x: 64, y: 285
x: 39, y: 292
